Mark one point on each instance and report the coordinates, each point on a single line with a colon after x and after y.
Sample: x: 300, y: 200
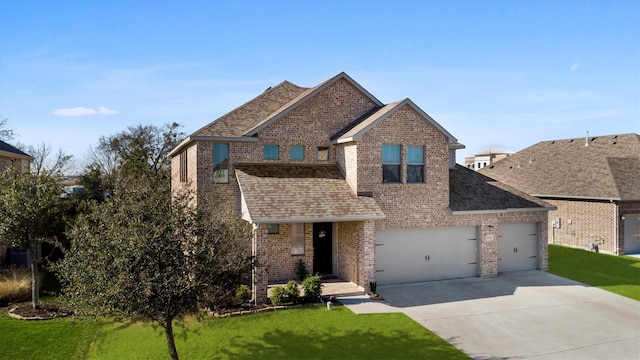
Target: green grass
x: 618, y: 274
x: 305, y: 333
x: 51, y: 339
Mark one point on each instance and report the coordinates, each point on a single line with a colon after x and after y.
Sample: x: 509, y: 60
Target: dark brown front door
x: 322, y: 245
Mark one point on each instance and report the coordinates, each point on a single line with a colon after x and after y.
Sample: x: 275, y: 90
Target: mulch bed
x: 45, y: 311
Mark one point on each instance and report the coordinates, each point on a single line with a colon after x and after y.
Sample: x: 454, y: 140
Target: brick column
x: 260, y: 278
x: 368, y: 263
x: 488, y: 256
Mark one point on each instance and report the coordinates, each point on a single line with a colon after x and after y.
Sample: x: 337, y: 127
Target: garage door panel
x: 416, y: 255
x: 518, y: 245
x: 631, y: 241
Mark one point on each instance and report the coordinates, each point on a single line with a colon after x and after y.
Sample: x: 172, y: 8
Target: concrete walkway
x: 525, y: 315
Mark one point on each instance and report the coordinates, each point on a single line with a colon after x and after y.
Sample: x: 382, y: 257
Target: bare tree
x: 5, y: 132
x: 44, y: 159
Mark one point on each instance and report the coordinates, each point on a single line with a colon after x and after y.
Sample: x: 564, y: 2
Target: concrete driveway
x: 524, y: 315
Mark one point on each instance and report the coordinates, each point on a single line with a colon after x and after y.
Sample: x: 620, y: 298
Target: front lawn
x: 301, y: 333
x: 618, y: 274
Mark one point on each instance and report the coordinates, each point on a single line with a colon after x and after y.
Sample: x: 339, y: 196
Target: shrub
x: 312, y: 288
x: 301, y: 270
x: 292, y: 291
x: 243, y: 294
x: 278, y: 295
x: 14, y: 285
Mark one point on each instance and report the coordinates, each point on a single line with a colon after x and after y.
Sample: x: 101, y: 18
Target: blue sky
x: 493, y: 73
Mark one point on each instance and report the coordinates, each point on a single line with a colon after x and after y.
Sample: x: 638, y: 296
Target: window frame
x: 266, y: 151
x: 297, y: 239
x: 411, y: 164
x: 297, y: 147
x: 183, y: 166
x: 388, y: 165
x: 220, y: 175
x: 322, y: 150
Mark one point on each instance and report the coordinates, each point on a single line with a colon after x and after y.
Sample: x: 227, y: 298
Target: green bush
x: 278, y: 295
x: 301, y: 270
x: 243, y: 294
x: 292, y: 290
x: 312, y: 288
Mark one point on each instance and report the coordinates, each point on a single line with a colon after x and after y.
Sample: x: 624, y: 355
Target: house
x: 486, y: 157
x: 357, y: 189
x: 12, y: 155
x: 594, y: 182
x: 10, y: 256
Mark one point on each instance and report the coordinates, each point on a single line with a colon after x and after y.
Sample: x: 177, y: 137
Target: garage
x: 517, y: 247
x: 631, y: 240
x: 417, y: 255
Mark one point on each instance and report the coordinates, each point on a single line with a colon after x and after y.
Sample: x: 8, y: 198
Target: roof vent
x: 586, y: 139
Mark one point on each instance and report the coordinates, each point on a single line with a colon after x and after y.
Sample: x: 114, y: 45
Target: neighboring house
x: 11, y: 155
x: 594, y: 182
x: 358, y: 190
x: 486, y: 157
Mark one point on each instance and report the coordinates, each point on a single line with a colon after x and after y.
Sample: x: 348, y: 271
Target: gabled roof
x: 13, y: 152
x: 599, y: 168
x: 355, y: 131
x: 285, y: 193
x: 307, y: 95
x: 471, y: 192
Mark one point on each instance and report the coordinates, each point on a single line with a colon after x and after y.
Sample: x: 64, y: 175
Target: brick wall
x: 281, y: 265
x: 583, y: 223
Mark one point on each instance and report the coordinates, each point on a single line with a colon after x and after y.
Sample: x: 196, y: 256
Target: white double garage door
x: 417, y: 255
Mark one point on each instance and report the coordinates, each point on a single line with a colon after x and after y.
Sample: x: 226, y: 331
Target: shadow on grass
x: 284, y: 344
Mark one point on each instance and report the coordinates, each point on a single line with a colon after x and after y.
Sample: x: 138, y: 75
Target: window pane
x: 322, y: 153
x: 273, y: 229
x: 391, y: 173
x: 415, y: 173
x: 390, y: 154
x: 271, y: 152
x: 221, y: 163
x: 296, y: 153
x: 297, y: 239
x: 415, y: 154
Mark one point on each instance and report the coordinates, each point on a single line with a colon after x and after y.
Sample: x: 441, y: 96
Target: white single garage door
x: 417, y: 255
x: 631, y: 227
x: 518, y: 247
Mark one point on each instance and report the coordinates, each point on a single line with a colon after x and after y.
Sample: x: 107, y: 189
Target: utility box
x: 556, y: 223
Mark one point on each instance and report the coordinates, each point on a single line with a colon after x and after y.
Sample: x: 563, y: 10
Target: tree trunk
x: 33, y: 251
x: 171, y: 344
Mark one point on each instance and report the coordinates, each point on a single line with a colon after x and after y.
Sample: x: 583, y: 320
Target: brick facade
x: 406, y: 205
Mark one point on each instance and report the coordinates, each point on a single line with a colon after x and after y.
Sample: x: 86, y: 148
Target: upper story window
x: 296, y: 153
x: 322, y: 153
x: 391, y: 163
x: 271, y: 152
x: 183, y: 166
x: 221, y: 163
x: 415, y: 164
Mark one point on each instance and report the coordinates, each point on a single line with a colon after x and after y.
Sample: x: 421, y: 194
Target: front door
x: 322, y: 245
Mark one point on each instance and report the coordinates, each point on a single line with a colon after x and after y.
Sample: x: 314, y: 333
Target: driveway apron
x: 522, y: 315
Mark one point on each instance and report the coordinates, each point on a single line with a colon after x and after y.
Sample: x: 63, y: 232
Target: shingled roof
x: 12, y: 151
x: 602, y: 167
x: 279, y: 193
x: 470, y: 191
